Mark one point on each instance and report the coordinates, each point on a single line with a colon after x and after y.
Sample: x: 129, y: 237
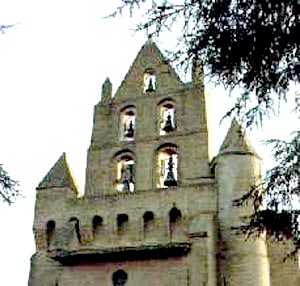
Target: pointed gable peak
x: 236, y: 141
x: 150, y: 43
x: 59, y: 176
x: 149, y: 63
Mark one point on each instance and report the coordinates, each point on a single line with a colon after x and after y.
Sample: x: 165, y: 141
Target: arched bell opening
x: 122, y: 223
x: 175, y: 218
x: 125, y: 171
x: 166, y: 116
x: 50, y: 233
x: 127, y: 123
x: 74, y: 224
x: 150, y: 83
x: 119, y: 278
x: 97, y: 225
x: 148, y: 220
x: 167, y: 166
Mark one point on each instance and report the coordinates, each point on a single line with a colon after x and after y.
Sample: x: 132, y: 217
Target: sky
x: 52, y: 65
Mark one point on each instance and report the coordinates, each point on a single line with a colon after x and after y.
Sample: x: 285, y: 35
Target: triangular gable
x: 149, y: 59
x: 59, y: 176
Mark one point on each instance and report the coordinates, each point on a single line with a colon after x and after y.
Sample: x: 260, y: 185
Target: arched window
x: 174, y: 221
x: 127, y: 123
x: 119, y: 278
x: 167, y: 166
x: 125, y: 171
x: 122, y: 221
x: 167, y: 117
x: 74, y: 222
x: 50, y: 232
x: 149, y: 81
x: 148, y: 218
x: 97, y: 225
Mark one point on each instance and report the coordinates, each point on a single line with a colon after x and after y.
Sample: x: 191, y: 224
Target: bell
x: 130, y: 131
x: 126, y: 185
x: 170, y: 179
x: 127, y: 178
x: 168, y: 125
x: 150, y: 86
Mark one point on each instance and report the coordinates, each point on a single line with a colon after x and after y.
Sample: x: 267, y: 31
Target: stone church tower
x: 156, y: 211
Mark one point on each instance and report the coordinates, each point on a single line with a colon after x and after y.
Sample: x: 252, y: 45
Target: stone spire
x: 236, y: 141
x: 59, y: 176
x: 106, y: 91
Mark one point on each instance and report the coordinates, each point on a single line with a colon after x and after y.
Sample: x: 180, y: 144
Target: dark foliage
x: 3, y: 28
x: 8, y: 187
x: 280, y: 191
x: 8, y: 190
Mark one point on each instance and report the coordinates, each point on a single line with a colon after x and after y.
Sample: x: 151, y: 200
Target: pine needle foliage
x: 8, y: 187
x: 280, y: 192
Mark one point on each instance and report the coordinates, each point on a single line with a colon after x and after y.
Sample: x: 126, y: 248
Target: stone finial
x: 149, y: 39
x: 59, y: 176
x: 235, y: 140
x: 106, y: 91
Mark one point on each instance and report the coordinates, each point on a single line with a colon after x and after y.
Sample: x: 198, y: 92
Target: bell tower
x: 147, y: 135
x: 155, y: 211
x: 148, y: 175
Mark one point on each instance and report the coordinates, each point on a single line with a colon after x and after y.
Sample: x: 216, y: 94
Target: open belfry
x: 156, y: 210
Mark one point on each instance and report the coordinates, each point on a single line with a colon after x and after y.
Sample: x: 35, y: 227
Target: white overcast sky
x: 52, y: 66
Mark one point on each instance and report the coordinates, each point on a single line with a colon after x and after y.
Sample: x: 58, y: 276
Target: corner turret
x: 238, y: 167
x: 53, y: 192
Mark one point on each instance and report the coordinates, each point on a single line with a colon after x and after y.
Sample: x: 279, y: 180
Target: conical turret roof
x: 236, y: 141
x: 59, y: 176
